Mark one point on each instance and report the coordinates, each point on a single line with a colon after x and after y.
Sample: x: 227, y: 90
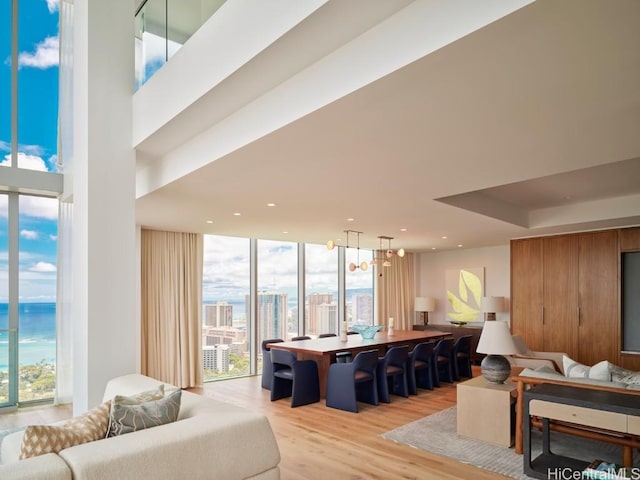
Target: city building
x: 218, y: 315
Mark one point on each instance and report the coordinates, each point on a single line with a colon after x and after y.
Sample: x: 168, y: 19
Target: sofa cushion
x: 41, y: 439
x: 126, y: 418
x: 600, y: 371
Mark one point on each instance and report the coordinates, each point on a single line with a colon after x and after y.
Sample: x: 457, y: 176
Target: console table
x: 607, y: 416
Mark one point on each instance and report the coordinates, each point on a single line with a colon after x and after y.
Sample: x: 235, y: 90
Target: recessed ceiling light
x: 350, y: 219
x: 403, y: 229
x: 433, y: 248
x: 459, y: 245
x: 444, y: 237
x: 237, y: 214
x: 271, y: 204
x: 209, y: 221
x: 285, y: 232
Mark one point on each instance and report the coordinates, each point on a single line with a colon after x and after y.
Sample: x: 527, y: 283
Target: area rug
x: 437, y: 434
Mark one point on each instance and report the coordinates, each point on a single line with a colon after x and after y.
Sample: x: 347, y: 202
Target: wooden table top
x: 328, y: 345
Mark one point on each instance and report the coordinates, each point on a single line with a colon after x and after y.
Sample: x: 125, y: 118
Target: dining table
x: 323, y: 350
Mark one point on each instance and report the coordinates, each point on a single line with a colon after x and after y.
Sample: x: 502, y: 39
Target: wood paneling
x: 560, y: 294
x: 526, y: 291
x: 599, y: 331
x: 629, y: 239
x: 579, y: 296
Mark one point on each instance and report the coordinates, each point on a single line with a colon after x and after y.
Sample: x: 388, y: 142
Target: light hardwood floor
x: 317, y: 442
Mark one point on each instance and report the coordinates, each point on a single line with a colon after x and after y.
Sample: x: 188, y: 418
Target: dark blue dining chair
x: 392, y: 373
x: 294, y: 378
x: 420, y: 367
x: 349, y: 383
x: 267, y: 368
x: 462, y: 357
x: 443, y: 365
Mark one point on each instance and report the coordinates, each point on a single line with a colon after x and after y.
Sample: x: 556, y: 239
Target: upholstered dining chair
x: 349, y: 383
x: 462, y: 357
x: 327, y: 335
x: 294, y: 378
x: 301, y: 337
x: 443, y: 366
x: 420, y: 367
x: 392, y: 373
x: 267, y: 368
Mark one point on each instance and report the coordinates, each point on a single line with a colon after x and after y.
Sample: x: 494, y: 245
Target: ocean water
x: 37, y: 333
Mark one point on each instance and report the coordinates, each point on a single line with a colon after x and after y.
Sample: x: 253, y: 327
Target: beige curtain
x: 171, y: 297
x: 396, y: 292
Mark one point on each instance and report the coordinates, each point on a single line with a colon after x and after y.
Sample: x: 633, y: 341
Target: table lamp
x: 491, y: 305
x: 495, y: 341
x: 426, y: 305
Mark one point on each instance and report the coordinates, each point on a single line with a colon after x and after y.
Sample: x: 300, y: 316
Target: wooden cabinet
x: 564, y: 294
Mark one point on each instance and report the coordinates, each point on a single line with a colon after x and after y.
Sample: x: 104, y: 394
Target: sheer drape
x: 64, y: 281
x: 171, y: 298
x: 396, y: 292
x: 64, y: 310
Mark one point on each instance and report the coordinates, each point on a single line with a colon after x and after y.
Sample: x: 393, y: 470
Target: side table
x: 485, y: 410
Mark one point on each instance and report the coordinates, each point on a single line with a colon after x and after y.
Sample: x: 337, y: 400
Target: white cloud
x: 39, y: 207
x: 5, y: 146
x: 45, y: 56
x: 53, y: 5
x: 53, y: 237
x: 30, y: 162
x: 29, y: 234
x: 43, y: 267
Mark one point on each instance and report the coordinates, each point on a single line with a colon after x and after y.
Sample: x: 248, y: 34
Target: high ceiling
x: 528, y: 126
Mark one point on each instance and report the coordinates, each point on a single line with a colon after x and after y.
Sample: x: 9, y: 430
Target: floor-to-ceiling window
x: 274, y: 273
x: 28, y: 223
x: 321, y: 290
x: 359, y: 287
x: 225, y: 290
x: 277, y: 290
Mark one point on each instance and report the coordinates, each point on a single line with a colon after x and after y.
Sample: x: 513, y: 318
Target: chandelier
x: 381, y: 257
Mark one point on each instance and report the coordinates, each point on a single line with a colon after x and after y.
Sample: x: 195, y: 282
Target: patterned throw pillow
x: 573, y: 369
x: 41, y: 439
x: 130, y: 418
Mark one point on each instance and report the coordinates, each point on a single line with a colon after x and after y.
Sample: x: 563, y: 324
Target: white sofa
x: 210, y: 439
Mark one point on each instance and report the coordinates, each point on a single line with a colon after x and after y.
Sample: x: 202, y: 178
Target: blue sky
x: 37, y: 140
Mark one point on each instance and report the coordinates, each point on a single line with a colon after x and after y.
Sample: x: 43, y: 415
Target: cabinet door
x: 526, y: 291
x: 599, y: 330
x: 560, y: 293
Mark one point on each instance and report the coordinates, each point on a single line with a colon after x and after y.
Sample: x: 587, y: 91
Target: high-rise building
x: 362, y: 308
x: 219, y: 314
x: 272, y: 314
x: 316, y: 300
x: 327, y: 318
x: 216, y: 358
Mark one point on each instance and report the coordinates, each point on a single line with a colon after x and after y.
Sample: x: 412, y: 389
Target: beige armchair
x: 529, y: 359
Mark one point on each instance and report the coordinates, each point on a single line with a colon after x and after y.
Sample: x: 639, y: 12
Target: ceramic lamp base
x: 495, y: 368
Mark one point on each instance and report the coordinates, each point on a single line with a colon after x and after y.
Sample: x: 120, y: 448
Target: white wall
x: 105, y: 334
x: 431, y: 268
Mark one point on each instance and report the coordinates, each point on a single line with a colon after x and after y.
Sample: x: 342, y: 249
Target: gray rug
x: 437, y: 434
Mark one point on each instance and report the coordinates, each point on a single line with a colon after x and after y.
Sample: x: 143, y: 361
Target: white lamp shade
x: 492, y: 304
x: 425, y: 304
x: 495, y: 339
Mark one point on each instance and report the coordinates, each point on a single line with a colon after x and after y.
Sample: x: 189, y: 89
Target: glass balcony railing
x: 162, y: 27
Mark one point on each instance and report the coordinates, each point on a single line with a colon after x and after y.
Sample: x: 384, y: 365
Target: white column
x: 105, y: 342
